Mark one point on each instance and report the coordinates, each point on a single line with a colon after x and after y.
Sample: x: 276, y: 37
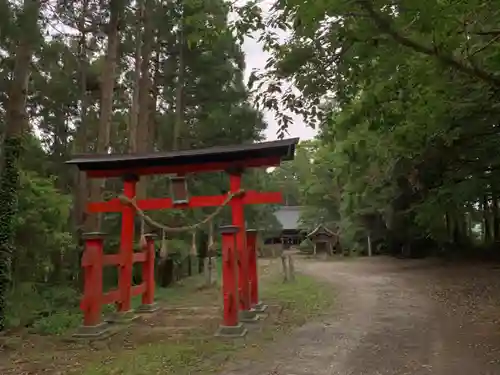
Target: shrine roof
x: 321, y: 230
x: 220, y: 156
x: 288, y: 217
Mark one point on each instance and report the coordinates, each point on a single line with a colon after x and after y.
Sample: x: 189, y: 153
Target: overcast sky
x: 255, y: 58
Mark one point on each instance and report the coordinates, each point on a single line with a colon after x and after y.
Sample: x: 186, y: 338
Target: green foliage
x: 406, y: 97
x: 60, y: 322
x: 8, y: 210
x: 45, y: 310
x: 306, y: 246
x: 179, y: 251
x: 44, y: 214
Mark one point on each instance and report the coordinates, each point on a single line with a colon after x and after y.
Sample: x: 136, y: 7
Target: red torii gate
x: 240, y: 284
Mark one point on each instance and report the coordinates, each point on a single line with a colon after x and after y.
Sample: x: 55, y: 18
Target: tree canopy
x: 405, y: 96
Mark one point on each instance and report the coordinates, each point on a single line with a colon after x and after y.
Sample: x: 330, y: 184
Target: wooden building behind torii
x: 324, y: 240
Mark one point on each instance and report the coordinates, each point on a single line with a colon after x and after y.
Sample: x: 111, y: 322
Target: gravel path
x: 395, y: 317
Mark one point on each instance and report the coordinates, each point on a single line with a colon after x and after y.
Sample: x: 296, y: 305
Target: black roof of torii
x: 283, y: 149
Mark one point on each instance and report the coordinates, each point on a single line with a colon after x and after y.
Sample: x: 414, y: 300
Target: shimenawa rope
x: 154, y: 223
x: 165, y: 229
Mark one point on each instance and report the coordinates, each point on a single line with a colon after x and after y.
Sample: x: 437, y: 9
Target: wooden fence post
x: 284, y: 266
x: 291, y: 268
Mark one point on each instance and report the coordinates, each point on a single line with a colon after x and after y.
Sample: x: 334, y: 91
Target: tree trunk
x: 447, y: 226
x: 457, y: 226
x: 16, y: 125
x: 93, y: 222
x: 80, y: 183
x: 486, y: 221
x: 134, y: 108
x: 179, y: 111
x: 469, y: 223
x: 145, y: 90
x: 496, y: 221
x: 155, y: 93
x: 179, y: 92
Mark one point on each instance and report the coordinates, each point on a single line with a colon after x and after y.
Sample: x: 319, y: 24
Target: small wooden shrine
x: 324, y: 240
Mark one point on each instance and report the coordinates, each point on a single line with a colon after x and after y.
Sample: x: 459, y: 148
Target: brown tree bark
x: 80, y: 182
x: 79, y: 146
x: 108, y: 78
x: 145, y: 90
x: 486, y: 221
x: 179, y: 92
x: 145, y: 80
x: 155, y: 93
x: 495, y: 219
x: 447, y: 224
x: 179, y: 113
x: 134, y: 109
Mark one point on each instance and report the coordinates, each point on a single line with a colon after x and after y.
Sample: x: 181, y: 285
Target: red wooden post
x: 256, y: 305
x: 92, y: 289
x: 148, y: 276
x: 91, y: 304
x: 126, y: 246
x: 230, y: 326
x: 238, y: 215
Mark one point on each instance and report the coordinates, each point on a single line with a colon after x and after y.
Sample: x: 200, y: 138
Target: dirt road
x: 395, y: 317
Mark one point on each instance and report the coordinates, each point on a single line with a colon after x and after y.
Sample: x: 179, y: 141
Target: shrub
x: 306, y: 246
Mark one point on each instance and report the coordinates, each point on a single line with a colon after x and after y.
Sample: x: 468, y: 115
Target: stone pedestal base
x: 145, y: 309
x: 92, y: 332
x: 122, y: 317
x: 259, y: 308
x: 248, y: 316
x: 231, y: 331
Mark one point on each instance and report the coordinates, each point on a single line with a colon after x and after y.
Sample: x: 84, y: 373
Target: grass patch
x: 60, y: 320
x: 198, y: 352
x: 304, y: 298
x: 55, y: 310
x: 176, y: 340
